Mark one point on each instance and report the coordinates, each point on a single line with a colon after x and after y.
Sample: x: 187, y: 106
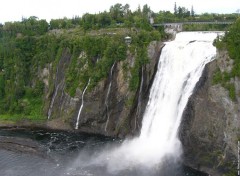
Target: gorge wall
x: 110, y: 108
x: 210, y: 125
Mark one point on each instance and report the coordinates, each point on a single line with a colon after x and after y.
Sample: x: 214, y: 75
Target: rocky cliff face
x: 210, y: 125
x: 110, y: 108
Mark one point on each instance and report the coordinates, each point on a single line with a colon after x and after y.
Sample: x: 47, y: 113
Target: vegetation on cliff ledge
x: 94, y: 43
x: 230, y: 42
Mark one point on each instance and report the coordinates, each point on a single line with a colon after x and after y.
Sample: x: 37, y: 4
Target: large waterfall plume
x: 181, y: 64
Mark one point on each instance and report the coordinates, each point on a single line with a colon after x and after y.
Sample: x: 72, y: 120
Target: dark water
x: 57, y: 153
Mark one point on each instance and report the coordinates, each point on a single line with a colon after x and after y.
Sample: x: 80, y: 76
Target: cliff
x: 210, y: 125
x: 111, y: 107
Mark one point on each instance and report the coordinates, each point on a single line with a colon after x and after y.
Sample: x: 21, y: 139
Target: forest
x: 30, y: 45
x: 230, y: 42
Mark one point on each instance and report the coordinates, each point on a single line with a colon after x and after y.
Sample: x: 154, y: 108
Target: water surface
x: 61, y: 153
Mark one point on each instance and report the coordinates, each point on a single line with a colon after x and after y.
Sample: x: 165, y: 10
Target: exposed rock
x: 149, y: 71
x: 59, y: 124
x: 94, y: 117
x: 45, y: 76
x: 210, y: 125
x: 119, y: 118
x: 21, y: 145
x: 58, y: 103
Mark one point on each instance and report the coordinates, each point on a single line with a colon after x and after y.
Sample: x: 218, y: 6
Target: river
x: 56, y: 153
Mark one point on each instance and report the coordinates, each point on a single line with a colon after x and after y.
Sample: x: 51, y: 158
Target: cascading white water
x: 180, y: 67
x: 139, y: 101
x: 106, y: 100
x: 80, y: 109
x: 181, y: 64
x: 57, y: 85
x: 52, y: 101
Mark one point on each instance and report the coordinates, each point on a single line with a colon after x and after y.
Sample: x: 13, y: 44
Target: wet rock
x: 210, y: 125
x: 24, y: 145
x: 119, y: 118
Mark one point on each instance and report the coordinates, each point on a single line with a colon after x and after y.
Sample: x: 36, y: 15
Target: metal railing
x: 192, y: 22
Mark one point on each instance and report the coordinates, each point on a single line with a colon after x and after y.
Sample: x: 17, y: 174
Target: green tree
x: 104, y: 19
x: 117, y: 12
x: 175, y: 9
x: 192, y: 12
x: 146, y: 11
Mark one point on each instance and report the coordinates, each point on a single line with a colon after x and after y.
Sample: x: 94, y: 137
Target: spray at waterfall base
x: 180, y: 67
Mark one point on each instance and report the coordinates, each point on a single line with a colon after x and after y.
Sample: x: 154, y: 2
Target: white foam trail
x: 52, y: 102
x: 106, y: 100
x: 139, y: 101
x: 80, y: 109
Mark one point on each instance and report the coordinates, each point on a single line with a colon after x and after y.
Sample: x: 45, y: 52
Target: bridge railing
x: 193, y: 22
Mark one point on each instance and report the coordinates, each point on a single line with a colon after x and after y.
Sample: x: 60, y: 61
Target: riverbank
x: 55, y: 124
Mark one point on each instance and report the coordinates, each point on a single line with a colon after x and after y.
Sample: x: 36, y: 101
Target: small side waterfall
x: 80, y: 109
x: 62, y: 95
x: 106, y: 100
x: 139, y: 101
x: 58, y: 83
x: 52, y: 101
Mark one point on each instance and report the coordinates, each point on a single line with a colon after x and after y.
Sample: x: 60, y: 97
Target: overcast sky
x: 14, y: 10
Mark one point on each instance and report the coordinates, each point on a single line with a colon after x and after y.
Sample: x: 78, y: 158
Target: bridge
x: 192, y: 22
x: 177, y: 26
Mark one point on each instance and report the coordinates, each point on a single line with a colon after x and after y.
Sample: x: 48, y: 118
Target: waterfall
x: 80, y: 109
x: 181, y: 64
x: 52, y: 101
x: 57, y: 84
x: 139, y: 101
x: 179, y: 69
x: 61, y: 99
x: 106, y: 100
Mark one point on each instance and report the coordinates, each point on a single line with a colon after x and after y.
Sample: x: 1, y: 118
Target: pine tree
x: 175, y: 8
x: 192, y: 12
